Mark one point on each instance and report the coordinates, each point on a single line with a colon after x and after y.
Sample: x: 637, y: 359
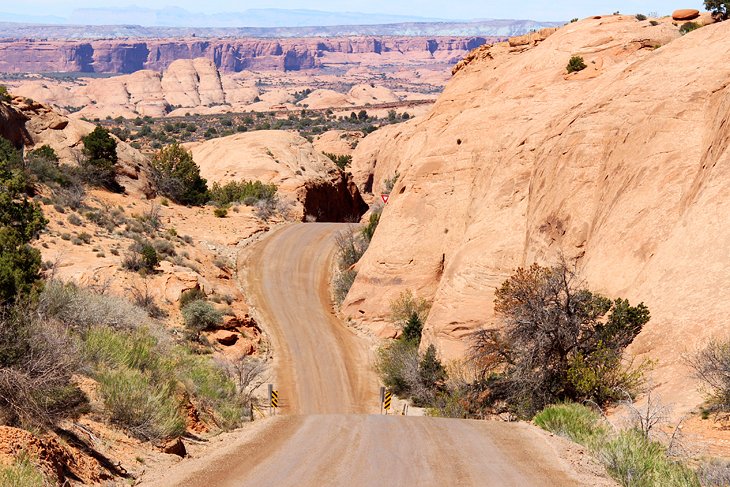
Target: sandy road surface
x: 324, y: 376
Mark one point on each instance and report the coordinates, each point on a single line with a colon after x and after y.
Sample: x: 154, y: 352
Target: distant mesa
x: 685, y: 14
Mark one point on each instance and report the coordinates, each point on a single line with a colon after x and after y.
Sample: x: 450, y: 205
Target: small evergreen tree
x: 178, y: 177
x: 412, y: 329
x: 720, y: 8
x: 99, y: 166
x: 20, y: 222
x: 431, y: 370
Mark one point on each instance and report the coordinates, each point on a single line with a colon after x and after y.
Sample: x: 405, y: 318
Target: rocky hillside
x: 130, y: 55
x: 623, y: 167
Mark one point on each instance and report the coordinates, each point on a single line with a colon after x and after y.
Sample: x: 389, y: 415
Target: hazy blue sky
x: 464, y: 9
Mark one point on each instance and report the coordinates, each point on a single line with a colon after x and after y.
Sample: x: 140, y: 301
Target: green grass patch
x: 22, y: 473
x: 629, y: 456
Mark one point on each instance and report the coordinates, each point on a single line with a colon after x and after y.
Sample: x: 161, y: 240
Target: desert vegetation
x: 631, y: 456
x: 575, y: 64
x: 151, y: 134
x: 719, y: 8
x: 57, y: 337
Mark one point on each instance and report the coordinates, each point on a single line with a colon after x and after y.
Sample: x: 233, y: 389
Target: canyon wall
x: 622, y: 167
x: 129, y: 55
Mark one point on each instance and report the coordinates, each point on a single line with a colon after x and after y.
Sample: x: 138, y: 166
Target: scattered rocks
x: 685, y: 14
x: 225, y: 337
x: 175, y: 447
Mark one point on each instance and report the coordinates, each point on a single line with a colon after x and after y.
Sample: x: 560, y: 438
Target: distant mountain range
x: 482, y: 28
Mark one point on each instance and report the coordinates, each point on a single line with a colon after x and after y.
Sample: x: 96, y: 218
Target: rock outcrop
x: 685, y: 14
x: 231, y: 55
x: 627, y: 172
x: 303, y: 175
x: 31, y: 124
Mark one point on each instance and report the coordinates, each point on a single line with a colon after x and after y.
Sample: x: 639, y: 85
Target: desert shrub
x: 369, y: 230
x: 81, y: 308
x: 557, y: 341
x: 215, y: 391
x: 714, y: 473
x: 146, y: 409
x: 573, y: 421
x: 144, y: 299
x: 177, y: 176
x: 720, y: 8
x: 4, y: 95
x: 341, y: 284
x: 100, y: 161
x: 653, y: 23
x: 247, y: 192
x: 688, y: 27
x: 141, y: 256
x: 389, y: 183
x: 407, y: 373
x: 21, y: 220
x: 199, y: 316
x: 576, y: 63
x: 629, y: 456
x: 22, y: 473
x: 37, y: 362
x: 164, y: 247
x: 405, y: 306
x: 635, y: 461
x: 711, y: 367
x: 641, y: 17
x: 341, y: 161
x: 194, y: 294
x: 221, y: 212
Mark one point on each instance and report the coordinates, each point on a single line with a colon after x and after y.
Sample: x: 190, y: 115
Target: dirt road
x: 324, y: 376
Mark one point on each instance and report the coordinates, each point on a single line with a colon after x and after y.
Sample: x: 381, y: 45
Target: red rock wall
x: 127, y: 56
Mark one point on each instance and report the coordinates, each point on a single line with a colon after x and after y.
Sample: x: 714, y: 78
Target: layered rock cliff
x: 129, y: 55
x: 623, y: 167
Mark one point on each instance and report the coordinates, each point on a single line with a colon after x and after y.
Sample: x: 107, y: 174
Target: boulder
x: 175, y: 447
x: 685, y: 14
x: 225, y: 337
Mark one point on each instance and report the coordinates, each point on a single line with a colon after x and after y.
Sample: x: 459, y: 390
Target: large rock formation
x: 129, y: 55
x: 625, y: 169
x: 303, y: 174
x: 30, y: 124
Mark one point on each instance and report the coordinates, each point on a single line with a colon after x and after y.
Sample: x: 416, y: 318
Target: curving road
x: 326, y: 385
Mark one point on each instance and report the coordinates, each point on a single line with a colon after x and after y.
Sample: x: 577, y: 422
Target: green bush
x: 573, y: 421
x: 81, y: 309
x: 22, y: 473
x: 141, y: 257
x: 221, y: 212
x: 635, y: 461
x: 247, y: 192
x: 148, y: 410
x: 369, y: 230
x: 576, y: 64
x: 191, y: 295
x: 688, y: 27
x: 199, y: 316
x: 409, y: 374
x: 641, y: 17
x: 21, y: 220
x: 99, y: 165
x: 341, y: 161
x: 177, y: 176
x: 341, y: 284
x: 720, y: 8
x: 4, y: 95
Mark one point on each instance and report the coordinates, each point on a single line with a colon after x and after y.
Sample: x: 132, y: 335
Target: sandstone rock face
x: 628, y: 172
x: 685, y: 14
x: 303, y: 174
x: 128, y: 56
x: 30, y: 124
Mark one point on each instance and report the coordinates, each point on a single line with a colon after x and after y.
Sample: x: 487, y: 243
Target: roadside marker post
x: 382, y: 398
x: 271, y: 390
x: 275, y: 400
x: 387, y: 401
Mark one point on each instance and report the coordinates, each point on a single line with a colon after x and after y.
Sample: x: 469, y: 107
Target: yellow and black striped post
x: 274, y: 400
x: 387, y: 400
